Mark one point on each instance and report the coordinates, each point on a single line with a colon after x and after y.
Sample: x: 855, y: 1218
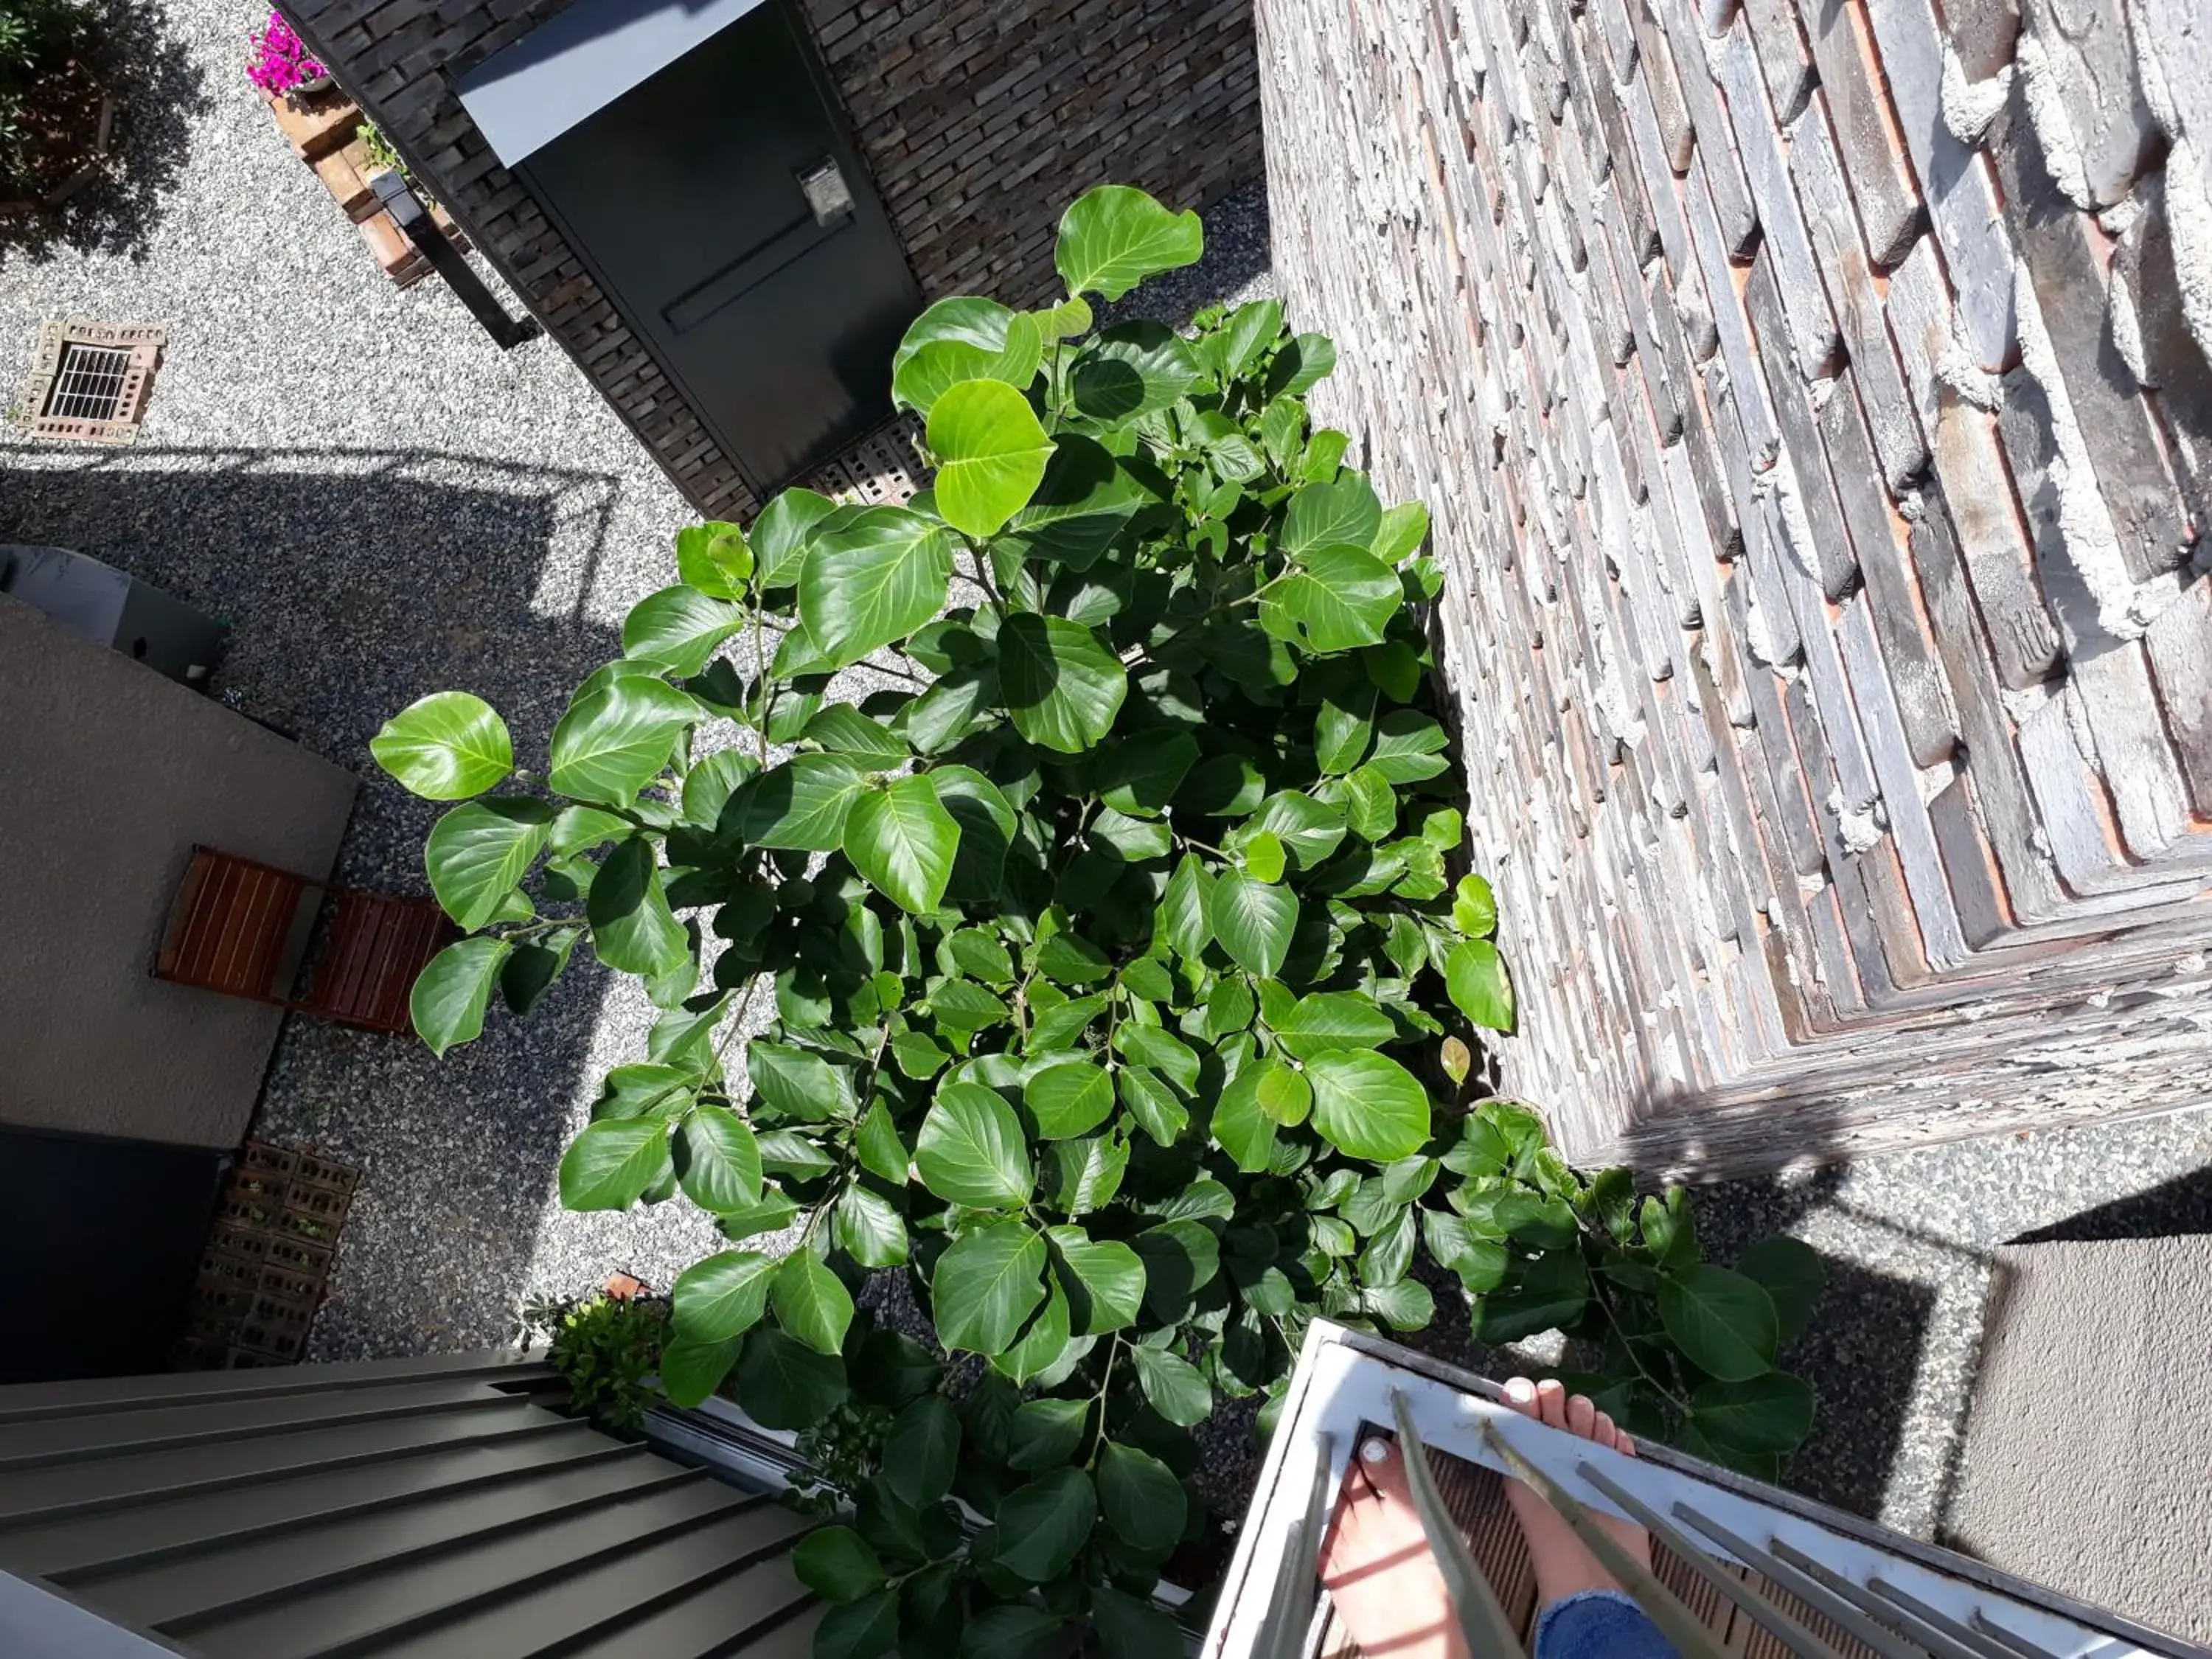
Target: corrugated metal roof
x: 431, y: 1509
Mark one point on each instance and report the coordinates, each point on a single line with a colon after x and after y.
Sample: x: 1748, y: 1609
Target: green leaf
x: 714, y: 558
x: 811, y: 1303
x: 1367, y: 1105
x: 971, y: 1150
x: 960, y: 1005
x: 844, y: 729
x: 802, y: 806
x: 986, y: 1286
x: 837, y: 1565
x: 1343, y: 512
x: 690, y: 1371
x: 1044, y: 1525
x: 1071, y: 959
x: 795, y: 1083
x: 1481, y: 987
x: 991, y: 455
x: 1062, y: 686
x: 1183, y: 915
x: 870, y: 1228
x: 1342, y: 597
x: 784, y: 1385
x: 1085, y: 1174
x: 1046, y: 1432
x: 1404, y: 528
x: 1723, y: 1323
x: 784, y: 531
x: 1173, y: 1386
x: 1792, y: 1275
x: 1769, y: 1412
x: 615, y: 738
x: 1084, y: 503
x: 903, y: 840
x: 1011, y: 1630
x: 1153, y: 1104
x: 1068, y: 1099
x: 452, y: 990
x: 1474, y: 907
x: 1107, y: 1277
x: 1042, y: 1344
x: 721, y: 1296
x: 447, y: 746
x: 1064, y: 1023
x: 921, y: 1451
x: 964, y: 339
x: 1301, y: 365
x: 1162, y: 1051
x: 1180, y: 1258
x: 883, y: 1153
x: 479, y: 852
x: 1370, y: 806
x: 873, y: 580
x: 614, y: 1163
x: 865, y: 1629
x: 1263, y: 855
x: 1546, y: 1293
x: 1404, y: 1305
x: 1130, y: 1628
x: 678, y: 629
x: 633, y: 930
x: 980, y: 952
x: 1144, y: 1503
x: 1334, y: 1019
x: 1113, y: 237
x: 533, y: 966
x: 717, y: 1160
x: 1133, y: 370
x: 1253, y: 921
x: 1342, y: 729
x: 1242, y: 1130
x: 1408, y: 747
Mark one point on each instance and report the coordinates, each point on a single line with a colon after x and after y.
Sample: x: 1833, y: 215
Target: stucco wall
x: 1813, y: 397
x: 109, y: 773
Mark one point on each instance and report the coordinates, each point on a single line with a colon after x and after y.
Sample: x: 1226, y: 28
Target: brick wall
x: 979, y: 118
x: 1812, y: 396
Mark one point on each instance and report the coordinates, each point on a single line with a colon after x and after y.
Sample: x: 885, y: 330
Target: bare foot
x: 1378, y: 1569
x: 1562, y: 1564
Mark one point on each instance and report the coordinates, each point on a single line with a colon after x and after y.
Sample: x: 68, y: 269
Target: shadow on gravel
x: 158, y: 91
x: 356, y: 583
x: 2182, y: 1205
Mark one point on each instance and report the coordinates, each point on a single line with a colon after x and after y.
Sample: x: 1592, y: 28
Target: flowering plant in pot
x: 282, y: 65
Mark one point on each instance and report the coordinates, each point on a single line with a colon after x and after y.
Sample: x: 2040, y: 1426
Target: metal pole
x: 450, y: 263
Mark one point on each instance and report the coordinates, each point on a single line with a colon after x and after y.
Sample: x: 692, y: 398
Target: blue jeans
x: 1598, y: 1624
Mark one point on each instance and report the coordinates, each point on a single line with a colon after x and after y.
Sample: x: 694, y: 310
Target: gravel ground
x: 384, y: 504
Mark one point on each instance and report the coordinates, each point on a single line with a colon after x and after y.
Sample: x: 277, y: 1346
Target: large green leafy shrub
x: 36, y: 36
x: 1122, y: 988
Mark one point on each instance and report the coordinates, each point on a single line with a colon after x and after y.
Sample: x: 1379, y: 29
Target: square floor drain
x: 89, y: 380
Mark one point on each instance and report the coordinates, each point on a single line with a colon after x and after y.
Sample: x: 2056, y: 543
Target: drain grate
x: 88, y: 385
x: 89, y: 380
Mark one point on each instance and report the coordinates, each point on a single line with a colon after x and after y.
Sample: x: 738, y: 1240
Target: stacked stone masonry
x: 979, y: 120
x: 1812, y: 399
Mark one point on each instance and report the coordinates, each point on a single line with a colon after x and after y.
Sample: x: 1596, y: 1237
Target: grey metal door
x: 721, y: 205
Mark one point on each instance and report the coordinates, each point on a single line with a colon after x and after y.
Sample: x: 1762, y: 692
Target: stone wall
x: 1812, y: 399
x: 979, y: 120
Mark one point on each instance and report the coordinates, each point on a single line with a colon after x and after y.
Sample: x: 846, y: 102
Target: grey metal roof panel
x: 427, y: 1508
x: 95, y: 1545
x: 47, y: 1493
